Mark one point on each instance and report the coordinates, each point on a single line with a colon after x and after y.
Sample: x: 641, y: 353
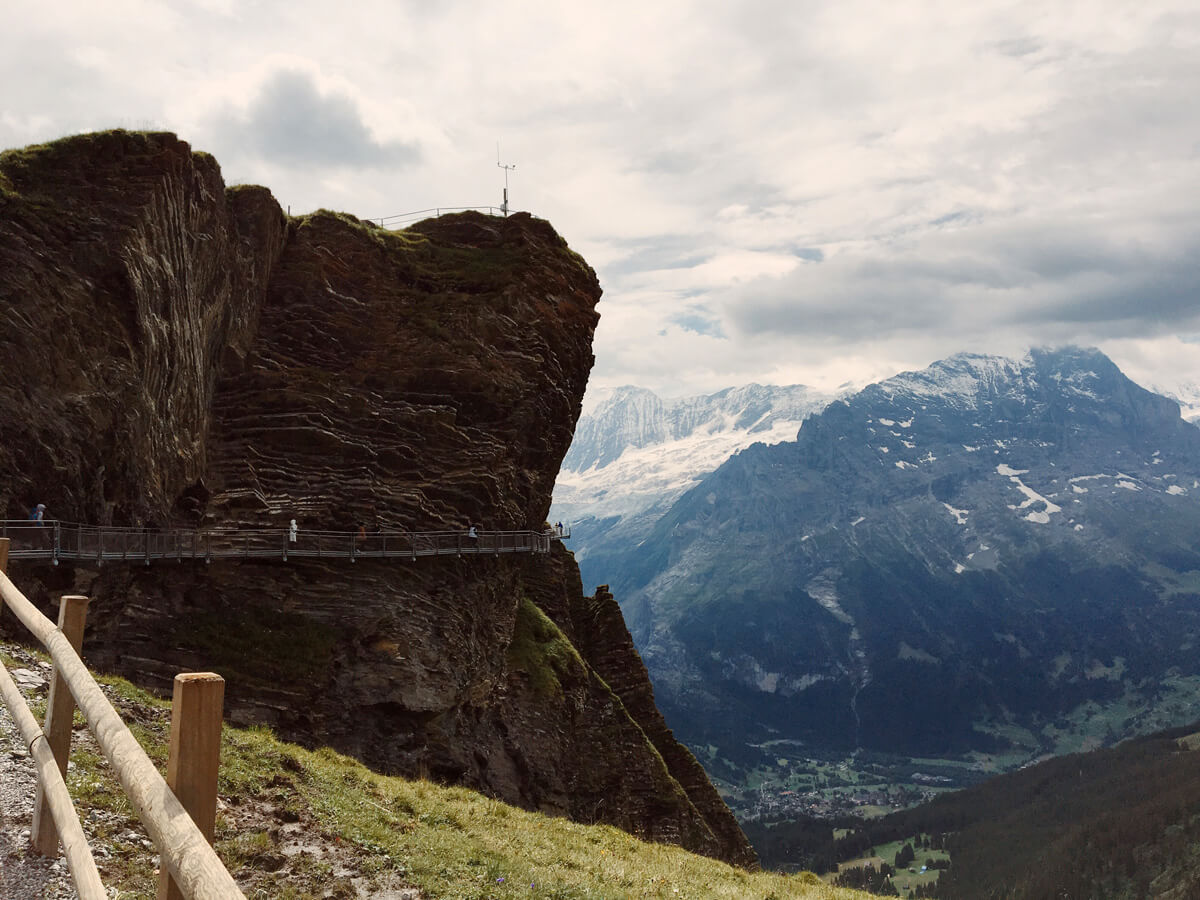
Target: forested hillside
x: 1122, y: 822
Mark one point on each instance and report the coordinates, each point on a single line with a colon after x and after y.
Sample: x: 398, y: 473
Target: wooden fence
x: 178, y: 812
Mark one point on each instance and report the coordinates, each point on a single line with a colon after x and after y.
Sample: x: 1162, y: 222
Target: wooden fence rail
x: 50, y: 779
x: 184, y: 851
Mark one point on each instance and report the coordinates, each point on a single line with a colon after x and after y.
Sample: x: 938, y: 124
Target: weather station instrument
x: 505, y: 167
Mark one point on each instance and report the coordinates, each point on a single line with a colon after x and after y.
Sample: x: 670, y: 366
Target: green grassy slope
x: 297, y: 823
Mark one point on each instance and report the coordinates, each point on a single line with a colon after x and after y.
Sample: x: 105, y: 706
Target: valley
x: 863, y: 785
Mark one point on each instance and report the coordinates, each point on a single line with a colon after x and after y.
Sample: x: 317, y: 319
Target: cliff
x: 181, y: 353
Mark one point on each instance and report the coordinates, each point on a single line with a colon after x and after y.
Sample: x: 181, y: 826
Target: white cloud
x: 768, y: 190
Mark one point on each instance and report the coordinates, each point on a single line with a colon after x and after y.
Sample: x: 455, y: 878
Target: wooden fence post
x: 60, y: 711
x: 4, y: 542
x: 195, y: 756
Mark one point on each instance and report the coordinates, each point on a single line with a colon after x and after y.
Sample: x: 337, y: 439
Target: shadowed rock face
x: 182, y: 353
x: 128, y: 274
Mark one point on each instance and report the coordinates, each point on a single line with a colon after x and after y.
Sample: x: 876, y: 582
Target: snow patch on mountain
x: 960, y: 515
x: 1038, y: 516
x: 823, y: 589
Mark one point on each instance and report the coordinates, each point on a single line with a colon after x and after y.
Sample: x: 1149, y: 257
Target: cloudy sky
x: 770, y: 191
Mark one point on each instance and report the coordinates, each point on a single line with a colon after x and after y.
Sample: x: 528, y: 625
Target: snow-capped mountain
x: 633, y: 418
x: 635, y: 454
x: 988, y: 556
x: 1187, y: 395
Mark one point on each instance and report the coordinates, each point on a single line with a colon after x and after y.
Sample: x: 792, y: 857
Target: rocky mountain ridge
x: 991, y: 558
x: 200, y: 359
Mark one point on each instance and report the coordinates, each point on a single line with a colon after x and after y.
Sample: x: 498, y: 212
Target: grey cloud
x: 1017, y: 47
x: 848, y: 306
x: 1142, y: 303
x: 955, y: 218
x: 292, y: 122
x: 657, y: 253
x: 669, y: 162
x: 1080, y: 284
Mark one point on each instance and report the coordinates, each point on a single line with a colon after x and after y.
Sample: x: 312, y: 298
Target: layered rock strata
x: 129, y: 274
x: 182, y: 353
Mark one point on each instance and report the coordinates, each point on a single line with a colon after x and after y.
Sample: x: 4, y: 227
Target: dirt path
x: 296, y: 858
x: 23, y: 874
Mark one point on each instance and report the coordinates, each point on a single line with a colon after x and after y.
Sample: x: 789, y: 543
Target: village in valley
x: 862, y: 785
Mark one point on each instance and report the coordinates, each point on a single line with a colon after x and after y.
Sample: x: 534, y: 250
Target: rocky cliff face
x: 185, y: 354
x: 130, y: 273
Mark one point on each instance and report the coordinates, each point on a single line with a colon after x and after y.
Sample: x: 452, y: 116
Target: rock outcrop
x: 182, y: 353
x: 129, y: 274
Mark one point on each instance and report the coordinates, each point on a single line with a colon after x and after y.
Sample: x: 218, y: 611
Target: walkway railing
x: 178, y: 812
x: 401, y: 219
x: 54, y: 541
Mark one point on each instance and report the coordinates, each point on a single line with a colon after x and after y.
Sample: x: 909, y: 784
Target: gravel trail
x: 23, y: 874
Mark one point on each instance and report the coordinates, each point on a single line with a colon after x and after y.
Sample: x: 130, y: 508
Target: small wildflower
x: 500, y: 880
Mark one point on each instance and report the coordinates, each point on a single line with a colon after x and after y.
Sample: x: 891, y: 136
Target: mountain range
x: 636, y: 453
x: 991, y: 560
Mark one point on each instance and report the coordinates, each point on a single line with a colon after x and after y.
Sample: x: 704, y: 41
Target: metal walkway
x: 55, y: 541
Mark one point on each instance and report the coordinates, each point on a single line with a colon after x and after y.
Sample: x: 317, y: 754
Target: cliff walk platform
x: 54, y: 541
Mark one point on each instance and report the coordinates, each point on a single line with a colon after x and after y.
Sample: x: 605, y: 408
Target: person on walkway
x: 472, y: 533
x: 292, y: 531
x: 37, y: 515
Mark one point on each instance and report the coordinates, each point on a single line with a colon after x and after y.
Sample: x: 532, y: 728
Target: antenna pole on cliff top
x: 504, y: 205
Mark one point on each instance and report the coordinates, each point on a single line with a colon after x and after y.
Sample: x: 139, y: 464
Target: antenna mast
x: 504, y: 205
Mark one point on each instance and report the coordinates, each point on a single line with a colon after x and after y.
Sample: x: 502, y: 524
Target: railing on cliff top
x: 54, y: 540
x: 401, y: 219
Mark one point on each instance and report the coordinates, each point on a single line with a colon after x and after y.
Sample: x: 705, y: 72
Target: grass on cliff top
x: 68, y: 145
x: 434, y: 262
x: 448, y: 842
